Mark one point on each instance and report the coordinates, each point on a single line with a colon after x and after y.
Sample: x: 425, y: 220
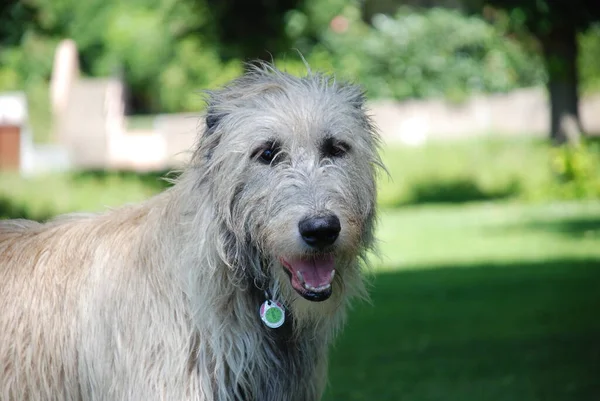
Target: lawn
x: 479, y: 302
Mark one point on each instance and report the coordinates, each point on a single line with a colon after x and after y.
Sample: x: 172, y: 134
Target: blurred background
x: 488, y: 287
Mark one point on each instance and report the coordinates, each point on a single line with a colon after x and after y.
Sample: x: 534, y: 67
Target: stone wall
x: 520, y: 112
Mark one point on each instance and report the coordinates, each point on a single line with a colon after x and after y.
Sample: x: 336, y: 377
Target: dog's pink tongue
x: 317, y: 271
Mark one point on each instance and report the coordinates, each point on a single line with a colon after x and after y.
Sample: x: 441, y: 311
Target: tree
x: 556, y: 23
x: 251, y: 29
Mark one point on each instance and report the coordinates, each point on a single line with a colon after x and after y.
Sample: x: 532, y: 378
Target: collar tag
x: 272, y: 313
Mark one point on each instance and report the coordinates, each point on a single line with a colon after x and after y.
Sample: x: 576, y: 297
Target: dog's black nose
x: 320, y: 232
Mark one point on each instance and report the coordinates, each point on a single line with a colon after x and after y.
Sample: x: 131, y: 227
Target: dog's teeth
x: 300, y: 277
x: 332, y: 274
x: 316, y: 289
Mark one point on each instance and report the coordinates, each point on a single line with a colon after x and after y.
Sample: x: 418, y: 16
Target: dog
x: 230, y: 285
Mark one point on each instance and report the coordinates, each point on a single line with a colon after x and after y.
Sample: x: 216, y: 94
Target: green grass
x: 480, y: 302
x: 489, y: 169
x: 468, y: 170
x: 42, y: 197
x: 488, y: 232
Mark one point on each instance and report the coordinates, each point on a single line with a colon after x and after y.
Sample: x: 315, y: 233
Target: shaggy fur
x: 159, y: 301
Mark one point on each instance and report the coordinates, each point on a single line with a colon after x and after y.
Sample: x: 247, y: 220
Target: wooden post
x: 10, y: 147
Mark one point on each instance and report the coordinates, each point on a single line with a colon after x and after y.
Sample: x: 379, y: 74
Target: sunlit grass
x: 469, y: 170
x: 488, y: 232
x: 478, y: 302
x: 41, y: 197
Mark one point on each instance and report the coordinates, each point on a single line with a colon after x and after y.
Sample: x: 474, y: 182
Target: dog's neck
x: 260, y: 363
x: 230, y: 346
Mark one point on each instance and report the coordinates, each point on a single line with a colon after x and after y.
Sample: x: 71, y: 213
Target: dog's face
x: 291, y: 164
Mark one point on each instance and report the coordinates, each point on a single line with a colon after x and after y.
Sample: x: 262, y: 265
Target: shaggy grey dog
x: 161, y: 300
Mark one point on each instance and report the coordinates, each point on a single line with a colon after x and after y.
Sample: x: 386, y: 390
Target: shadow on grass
x: 154, y: 180
x: 572, y: 227
x: 12, y: 210
x: 457, y: 191
x: 481, y: 333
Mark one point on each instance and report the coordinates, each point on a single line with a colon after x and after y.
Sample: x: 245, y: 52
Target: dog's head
x: 290, y: 164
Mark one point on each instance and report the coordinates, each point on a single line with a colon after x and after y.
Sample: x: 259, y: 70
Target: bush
x: 432, y: 53
x: 577, y: 171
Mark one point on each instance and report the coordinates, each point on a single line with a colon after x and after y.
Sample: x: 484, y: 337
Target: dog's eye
x: 332, y: 148
x: 266, y: 154
x: 338, y: 151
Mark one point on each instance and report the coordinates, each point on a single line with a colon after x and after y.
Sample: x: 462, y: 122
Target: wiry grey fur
x: 159, y: 301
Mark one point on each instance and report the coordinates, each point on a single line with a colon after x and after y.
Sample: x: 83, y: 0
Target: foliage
x: 164, y: 62
x: 556, y: 25
x: 168, y: 50
x: 250, y: 30
x: 577, y: 171
x: 543, y: 17
x: 442, y: 52
x: 418, y: 54
x: 163, y: 48
x: 28, y: 68
x: 588, y: 66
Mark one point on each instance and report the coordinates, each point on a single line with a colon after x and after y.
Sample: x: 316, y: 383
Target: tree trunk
x: 560, y: 51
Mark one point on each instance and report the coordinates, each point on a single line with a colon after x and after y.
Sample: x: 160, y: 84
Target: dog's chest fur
x: 292, y: 378
x: 286, y: 364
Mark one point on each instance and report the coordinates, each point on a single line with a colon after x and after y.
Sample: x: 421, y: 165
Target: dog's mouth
x: 311, y: 276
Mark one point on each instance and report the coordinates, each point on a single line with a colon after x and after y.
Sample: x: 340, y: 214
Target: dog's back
x: 57, y: 280
x: 36, y: 317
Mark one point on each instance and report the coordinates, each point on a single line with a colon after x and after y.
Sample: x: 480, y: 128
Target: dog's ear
x: 207, y: 141
x: 212, y: 119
